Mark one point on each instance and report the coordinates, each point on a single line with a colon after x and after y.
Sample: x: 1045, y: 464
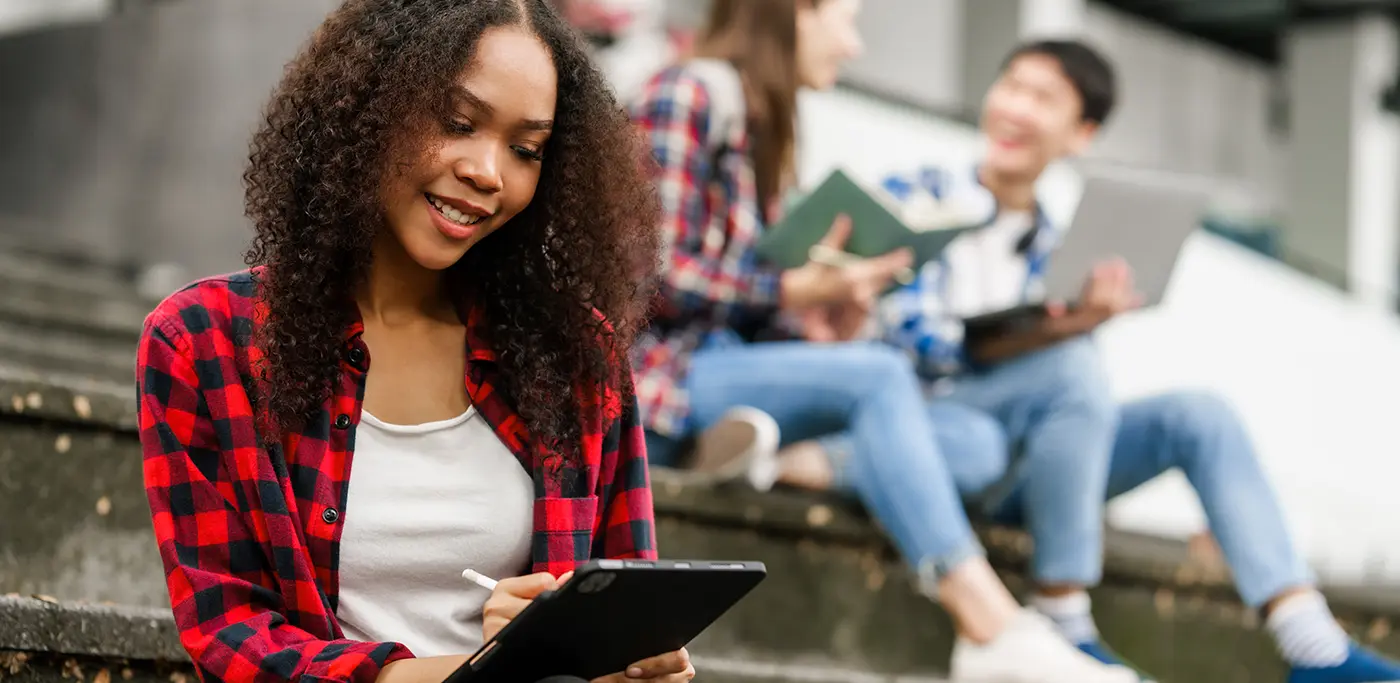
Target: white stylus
x: 479, y: 579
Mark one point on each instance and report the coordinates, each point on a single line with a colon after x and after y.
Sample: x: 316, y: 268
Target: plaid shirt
x: 250, y: 536
x: 712, y: 285
x: 915, y: 317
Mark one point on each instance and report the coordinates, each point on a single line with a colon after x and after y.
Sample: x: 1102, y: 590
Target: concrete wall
x: 129, y: 136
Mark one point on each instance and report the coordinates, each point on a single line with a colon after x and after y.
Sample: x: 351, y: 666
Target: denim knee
x: 1074, y: 373
x: 1190, y: 417
x: 878, y: 363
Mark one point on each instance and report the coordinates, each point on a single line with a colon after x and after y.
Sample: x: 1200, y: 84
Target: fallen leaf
x: 63, y: 443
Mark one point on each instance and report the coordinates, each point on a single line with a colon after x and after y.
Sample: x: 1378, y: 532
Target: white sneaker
x: 741, y: 446
x: 1030, y: 650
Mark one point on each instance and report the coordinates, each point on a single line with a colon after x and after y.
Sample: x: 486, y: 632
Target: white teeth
x: 453, y: 214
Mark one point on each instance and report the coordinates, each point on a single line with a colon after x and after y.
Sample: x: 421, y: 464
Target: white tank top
x: 425, y: 502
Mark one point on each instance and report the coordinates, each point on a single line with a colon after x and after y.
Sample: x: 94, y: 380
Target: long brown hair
x: 759, y: 37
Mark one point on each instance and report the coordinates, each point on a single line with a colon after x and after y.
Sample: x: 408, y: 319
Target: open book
x: 879, y: 223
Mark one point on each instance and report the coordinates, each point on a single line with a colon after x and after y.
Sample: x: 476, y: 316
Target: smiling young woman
x: 449, y: 187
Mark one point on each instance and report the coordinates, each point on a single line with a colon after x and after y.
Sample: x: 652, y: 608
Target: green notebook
x: 878, y: 225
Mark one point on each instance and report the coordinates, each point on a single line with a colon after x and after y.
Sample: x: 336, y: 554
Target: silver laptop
x: 1142, y: 217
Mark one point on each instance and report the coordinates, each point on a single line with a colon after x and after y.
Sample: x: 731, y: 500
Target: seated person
x: 720, y: 162
x: 1026, y: 427
x: 446, y: 198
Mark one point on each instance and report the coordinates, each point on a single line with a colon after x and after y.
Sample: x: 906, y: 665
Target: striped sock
x: 1306, y: 633
x: 1071, y: 614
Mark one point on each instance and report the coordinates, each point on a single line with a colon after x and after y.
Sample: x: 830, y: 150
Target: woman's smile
x: 456, y: 219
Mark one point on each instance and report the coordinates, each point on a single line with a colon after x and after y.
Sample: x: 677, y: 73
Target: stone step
x: 732, y: 669
x: 68, y: 399
x: 44, y: 640
x: 75, y: 258
x: 38, y: 273
x: 52, y: 294
x: 47, y: 350
x: 103, y: 319
x: 837, y: 597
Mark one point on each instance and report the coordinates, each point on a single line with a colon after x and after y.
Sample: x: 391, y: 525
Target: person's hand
x: 672, y: 667
x: 513, y: 595
x: 853, y: 284
x: 825, y: 324
x: 1107, y: 292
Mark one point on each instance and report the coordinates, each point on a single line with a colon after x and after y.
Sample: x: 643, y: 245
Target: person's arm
x: 675, y: 115
x: 1005, y: 346
x: 1108, y: 291
x: 628, y: 520
x: 230, y: 621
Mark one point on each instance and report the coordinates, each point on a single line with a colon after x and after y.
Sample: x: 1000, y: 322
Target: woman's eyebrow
x: 461, y: 93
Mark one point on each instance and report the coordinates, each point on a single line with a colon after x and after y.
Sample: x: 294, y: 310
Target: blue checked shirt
x: 916, y: 317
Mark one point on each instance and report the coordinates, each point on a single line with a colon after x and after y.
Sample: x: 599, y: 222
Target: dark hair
x: 759, y: 37
x: 356, y: 104
x: 1085, y: 67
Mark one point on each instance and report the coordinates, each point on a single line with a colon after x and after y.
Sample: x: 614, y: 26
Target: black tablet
x: 611, y: 614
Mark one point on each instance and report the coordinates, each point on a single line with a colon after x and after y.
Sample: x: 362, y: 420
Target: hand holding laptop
x: 1108, y: 291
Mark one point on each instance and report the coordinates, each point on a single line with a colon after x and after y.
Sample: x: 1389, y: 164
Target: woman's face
x: 827, y: 37
x: 481, y: 165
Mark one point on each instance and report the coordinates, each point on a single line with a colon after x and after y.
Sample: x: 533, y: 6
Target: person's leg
x: 1202, y: 436
x: 1057, y: 408
x: 662, y: 450
x: 897, y: 470
x: 868, y: 390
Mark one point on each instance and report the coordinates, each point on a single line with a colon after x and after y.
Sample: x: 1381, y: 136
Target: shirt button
x: 356, y: 356
x: 342, y: 422
x: 330, y: 515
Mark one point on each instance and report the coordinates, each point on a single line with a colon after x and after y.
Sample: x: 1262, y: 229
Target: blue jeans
x: 869, y: 393
x: 1039, y: 442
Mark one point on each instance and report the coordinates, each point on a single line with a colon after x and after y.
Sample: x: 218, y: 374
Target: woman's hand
x: 672, y: 667
x: 853, y: 286
x: 513, y: 595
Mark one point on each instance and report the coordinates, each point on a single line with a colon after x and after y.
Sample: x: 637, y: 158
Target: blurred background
x: 124, y: 127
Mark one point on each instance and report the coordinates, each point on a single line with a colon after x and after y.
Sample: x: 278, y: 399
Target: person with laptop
x: 1025, y: 423
x: 722, y: 128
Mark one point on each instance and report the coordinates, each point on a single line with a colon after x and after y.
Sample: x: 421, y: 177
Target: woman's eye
x: 529, y: 154
x: 460, y: 127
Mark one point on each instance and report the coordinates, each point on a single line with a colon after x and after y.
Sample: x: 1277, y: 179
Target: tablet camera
x: 596, y: 583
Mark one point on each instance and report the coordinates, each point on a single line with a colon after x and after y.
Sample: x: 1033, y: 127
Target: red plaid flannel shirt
x: 711, y: 280
x: 250, y: 536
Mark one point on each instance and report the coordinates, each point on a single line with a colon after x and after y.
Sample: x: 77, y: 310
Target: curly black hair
x: 355, y: 105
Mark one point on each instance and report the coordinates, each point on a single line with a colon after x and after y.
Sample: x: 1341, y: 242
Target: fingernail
x: 634, y: 672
